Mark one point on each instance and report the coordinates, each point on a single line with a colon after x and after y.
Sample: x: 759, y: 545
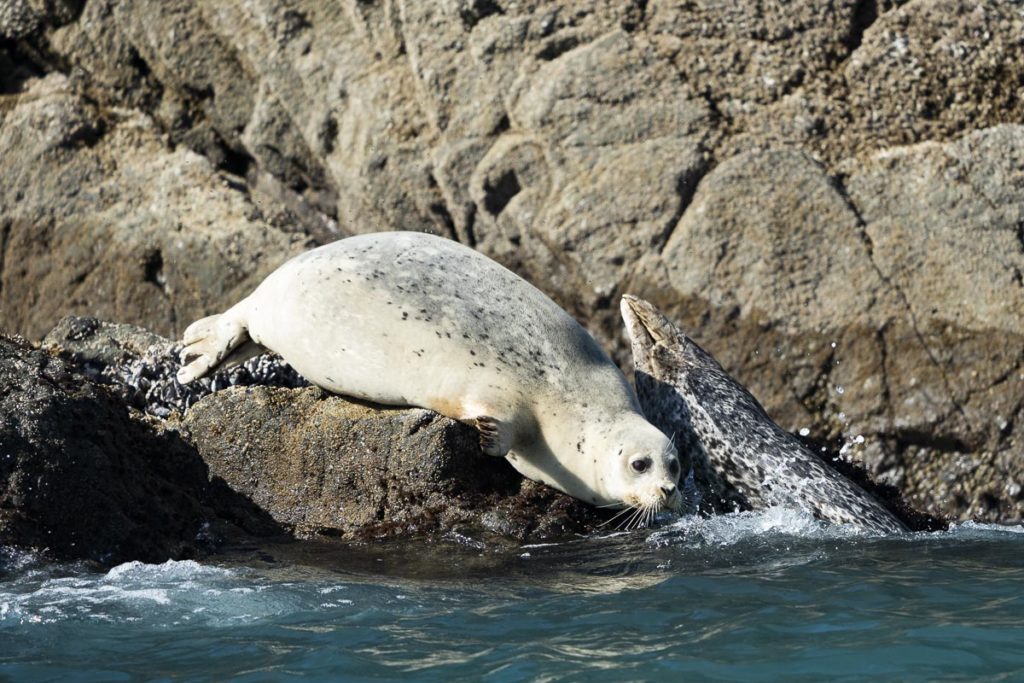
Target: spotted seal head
x: 411, y: 319
x: 739, y: 454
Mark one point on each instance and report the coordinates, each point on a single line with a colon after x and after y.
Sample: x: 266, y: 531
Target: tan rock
x: 100, y: 217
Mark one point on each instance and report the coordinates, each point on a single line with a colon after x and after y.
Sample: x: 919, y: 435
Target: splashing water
x: 772, y: 595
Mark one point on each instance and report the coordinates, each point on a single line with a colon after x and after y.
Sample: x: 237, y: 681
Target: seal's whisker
x: 635, y: 518
x: 646, y: 520
x: 625, y: 525
x: 648, y: 516
x: 671, y: 445
x: 608, y: 521
x: 619, y: 514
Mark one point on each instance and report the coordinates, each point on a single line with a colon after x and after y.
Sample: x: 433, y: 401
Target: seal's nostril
x: 668, y: 490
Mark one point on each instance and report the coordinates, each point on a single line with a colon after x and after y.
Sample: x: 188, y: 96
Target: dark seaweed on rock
x: 142, y: 366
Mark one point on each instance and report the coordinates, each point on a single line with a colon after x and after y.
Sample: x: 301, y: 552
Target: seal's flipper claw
x: 493, y: 438
x: 209, y: 342
x: 241, y: 353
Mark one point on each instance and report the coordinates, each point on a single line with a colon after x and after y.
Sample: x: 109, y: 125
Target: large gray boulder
x: 326, y: 466
x: 99, y: 216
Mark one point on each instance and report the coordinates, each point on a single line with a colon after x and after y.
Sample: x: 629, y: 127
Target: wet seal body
x: 737, y: 451
x: 411, y: 319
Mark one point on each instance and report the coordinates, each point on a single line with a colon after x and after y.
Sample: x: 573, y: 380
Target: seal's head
x: 660, y: 349
x: 643, y: 475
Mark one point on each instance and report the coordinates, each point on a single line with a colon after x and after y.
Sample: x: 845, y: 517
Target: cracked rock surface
x: 826, y: 195
x: 324, y: 466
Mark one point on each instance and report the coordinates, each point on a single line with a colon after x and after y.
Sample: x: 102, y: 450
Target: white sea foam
x: 778, y: 524
x: 189, y: 593
x: 169, y: 594
x: 171, y: 571
x: 730, y: 529
x: 982, y: 530
x: 125, y: 593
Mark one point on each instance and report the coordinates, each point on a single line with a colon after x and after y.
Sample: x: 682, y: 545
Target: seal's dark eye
x: 673, y: 468
x: 640, y: 464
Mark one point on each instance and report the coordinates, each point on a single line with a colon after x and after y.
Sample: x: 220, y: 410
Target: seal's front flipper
x: 243, y: 352
x: 494, y: 436
x: 209, y: 342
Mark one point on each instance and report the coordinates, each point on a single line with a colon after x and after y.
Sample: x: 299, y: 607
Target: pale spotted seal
x: 411, y: 319
x: 738, y: 452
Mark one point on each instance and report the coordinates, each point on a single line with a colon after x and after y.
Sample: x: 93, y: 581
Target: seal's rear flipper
x: 213, y: 341
x: 494, y: 436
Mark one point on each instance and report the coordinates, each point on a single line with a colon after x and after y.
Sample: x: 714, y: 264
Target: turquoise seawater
x: 773, y: 596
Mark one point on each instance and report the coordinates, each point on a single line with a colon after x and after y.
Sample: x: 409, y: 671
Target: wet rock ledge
x: 88, y: 470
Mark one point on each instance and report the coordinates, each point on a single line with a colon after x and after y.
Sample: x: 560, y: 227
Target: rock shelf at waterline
x: 92, y: 472
x: 110, y: 460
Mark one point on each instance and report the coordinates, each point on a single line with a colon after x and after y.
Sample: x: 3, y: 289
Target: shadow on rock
x: 82, y: 477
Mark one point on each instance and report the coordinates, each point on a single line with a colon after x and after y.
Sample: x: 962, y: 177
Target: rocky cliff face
x: 828, y: 196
